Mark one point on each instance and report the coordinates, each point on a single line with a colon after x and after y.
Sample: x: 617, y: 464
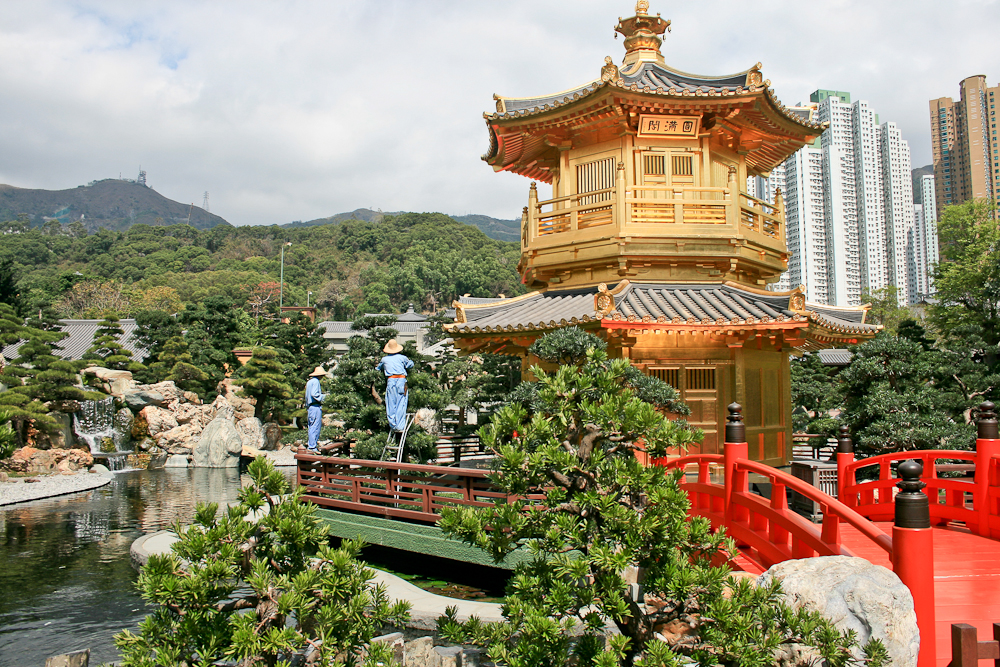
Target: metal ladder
x: 394, y: 446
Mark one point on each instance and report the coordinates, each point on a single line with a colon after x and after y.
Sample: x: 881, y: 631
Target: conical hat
x: 318, y: 372
x: 392, y: 347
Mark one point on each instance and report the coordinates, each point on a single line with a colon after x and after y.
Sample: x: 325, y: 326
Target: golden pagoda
x: 648, y: 167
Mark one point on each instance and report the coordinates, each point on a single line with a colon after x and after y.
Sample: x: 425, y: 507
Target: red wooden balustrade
x: 967, y: 650
x: 385, y: 488
x: 976, y: 502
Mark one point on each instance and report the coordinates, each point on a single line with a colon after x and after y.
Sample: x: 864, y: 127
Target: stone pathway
x: 16, y: 490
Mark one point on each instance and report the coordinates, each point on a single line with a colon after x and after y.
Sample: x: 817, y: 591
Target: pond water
x: 66, y: 582
x: 66, y: 579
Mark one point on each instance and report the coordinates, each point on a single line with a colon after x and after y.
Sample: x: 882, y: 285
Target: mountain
x: 501, y: 230
x: 112, y: 204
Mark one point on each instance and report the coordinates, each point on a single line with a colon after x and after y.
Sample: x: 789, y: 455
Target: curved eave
x: 471, y: 328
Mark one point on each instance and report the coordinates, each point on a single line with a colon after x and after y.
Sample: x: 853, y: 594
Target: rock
x: 74, y: 659
x: 137, y: 400
x: 123, y: 428
x: 64, y: 438
x: 219, y: 447
x: 116, y: 383
x: 176, y: 461
x: 221, y: 408
x: 32, y: 460
x: 170, y: 392
x: 251, y: 433
x: 183, y: 437
x: 100, y: 468
x: 419, y: 652
x: 272, y: 436
x: 158, y: 420
x: 329, y: 420
x: 190, y: 397
x: 157, y: 461
x: 189, y: 413
x: 854, y: 594
x: 32, y: 480
x: 426, y: 419
x: 395, y: 641
x: 4, y: 476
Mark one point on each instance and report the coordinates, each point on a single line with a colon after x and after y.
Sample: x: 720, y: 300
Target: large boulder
x: 137, y: 400
x: 220, y: 409
x: 179, y: 440
x: 251, y: 433
x: 190, y: 413
x: 272, y: 436
x: 220, y: 445
x: 855, y: 595
x: 116, y: 383
x: 37, y: 461
x: 157, y: 419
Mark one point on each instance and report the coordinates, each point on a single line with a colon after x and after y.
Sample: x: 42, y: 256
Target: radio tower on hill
x: 204, y: 202
x: 142, y: 177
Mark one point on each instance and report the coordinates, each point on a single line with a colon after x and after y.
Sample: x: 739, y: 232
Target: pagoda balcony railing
x: 651, y: 210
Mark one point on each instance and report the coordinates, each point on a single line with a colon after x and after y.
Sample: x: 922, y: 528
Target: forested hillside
x: 427, y: 259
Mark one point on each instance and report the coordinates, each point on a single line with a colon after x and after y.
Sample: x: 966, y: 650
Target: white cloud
x: 298, y: 110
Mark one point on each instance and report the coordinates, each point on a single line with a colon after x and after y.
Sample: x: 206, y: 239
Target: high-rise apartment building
x: 964, y: 142
x: 849, y: 207
x: 922, y: 245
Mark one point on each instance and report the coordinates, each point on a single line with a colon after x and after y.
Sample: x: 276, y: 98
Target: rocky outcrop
x: 137, y: 400
x: 219, y: 446
x: 158, y: 420
x: 116, y: 383
x: 36, y: 461
x: 272, y: 436
x: 251, y: 433
x: 855, y: 595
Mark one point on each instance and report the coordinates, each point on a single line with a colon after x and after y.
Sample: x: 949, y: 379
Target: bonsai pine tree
x: 263, y: 378
x: 257, y: 584
x: 588, y: 511
x: 107, y: 350
x: 175, y: 363
x: 12, y: 327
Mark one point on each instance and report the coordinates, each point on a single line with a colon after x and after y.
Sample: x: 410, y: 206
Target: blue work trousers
x: 315, y: 424
x: 396, y: 401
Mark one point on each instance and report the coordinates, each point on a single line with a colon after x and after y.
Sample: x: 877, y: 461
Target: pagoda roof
x: 522, y: 130
x: 653, y: 305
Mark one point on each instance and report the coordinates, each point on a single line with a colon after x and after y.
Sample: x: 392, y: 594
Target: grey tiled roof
x: 81, y: 337
x: 835, y: 357
x: 707, y: 304
x: 332, y: 327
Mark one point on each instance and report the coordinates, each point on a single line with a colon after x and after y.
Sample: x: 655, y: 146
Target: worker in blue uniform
x: 314, y: 407
x: 394, y: 365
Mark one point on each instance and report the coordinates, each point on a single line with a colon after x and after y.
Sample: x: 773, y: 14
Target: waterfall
x: 94, y: 424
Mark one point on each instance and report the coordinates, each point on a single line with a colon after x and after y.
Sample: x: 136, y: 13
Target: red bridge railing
x: 768, y: 532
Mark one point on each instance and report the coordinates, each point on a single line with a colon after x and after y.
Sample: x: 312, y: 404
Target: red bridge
x: 940, y: 535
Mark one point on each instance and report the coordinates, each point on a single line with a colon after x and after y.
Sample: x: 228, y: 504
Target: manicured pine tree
x: 175, y: 364
x: 106, y: 350
x: 586, y: 510
x: 263, y: 378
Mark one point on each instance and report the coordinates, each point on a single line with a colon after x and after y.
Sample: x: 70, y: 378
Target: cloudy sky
x: 296, y: 110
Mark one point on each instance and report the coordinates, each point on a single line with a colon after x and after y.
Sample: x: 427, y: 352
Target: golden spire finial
x: 642, y: 34
x: 642, y: 7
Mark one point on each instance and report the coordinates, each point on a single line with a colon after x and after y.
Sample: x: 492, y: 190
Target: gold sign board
x: 670, y: 126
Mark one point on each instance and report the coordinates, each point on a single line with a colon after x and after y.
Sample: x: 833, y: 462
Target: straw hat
x: 392, y: 347
x: 318, y: 372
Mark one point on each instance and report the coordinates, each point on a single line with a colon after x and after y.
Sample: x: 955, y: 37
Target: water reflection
x: 65, y: 577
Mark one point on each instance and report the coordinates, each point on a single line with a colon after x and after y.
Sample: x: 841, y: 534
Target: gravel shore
x: 17, y: 491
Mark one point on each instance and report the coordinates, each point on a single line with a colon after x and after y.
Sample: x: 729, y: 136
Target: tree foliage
x: 257, y: 584
x: 263, y: 379
x: 587, y: 511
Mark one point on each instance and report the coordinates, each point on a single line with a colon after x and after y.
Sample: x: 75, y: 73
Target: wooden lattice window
x: 654, y: 165
x: 682, y: 165
x: 593, y: 177
x: 671, y: 376
x: 700, y: 379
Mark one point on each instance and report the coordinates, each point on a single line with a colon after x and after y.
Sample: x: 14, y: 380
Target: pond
x: 66, y: 578
x: 67, y: 582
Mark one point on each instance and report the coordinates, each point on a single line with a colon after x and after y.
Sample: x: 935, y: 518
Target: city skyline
x: 317, y: 108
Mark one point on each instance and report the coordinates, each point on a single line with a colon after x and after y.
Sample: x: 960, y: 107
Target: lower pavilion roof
x: 652, y: 305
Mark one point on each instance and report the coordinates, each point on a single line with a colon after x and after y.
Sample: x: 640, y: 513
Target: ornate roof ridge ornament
x: 642, y: 34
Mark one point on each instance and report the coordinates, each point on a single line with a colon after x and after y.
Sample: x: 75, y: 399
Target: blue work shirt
x: 313, y: 394
x: 394, y: 364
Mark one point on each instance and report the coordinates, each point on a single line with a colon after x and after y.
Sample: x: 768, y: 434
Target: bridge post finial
x: 986, y: 426
x: 913, y: 553
x: 912, y: 504
x: 736, y: 430
x: 844, y: 443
